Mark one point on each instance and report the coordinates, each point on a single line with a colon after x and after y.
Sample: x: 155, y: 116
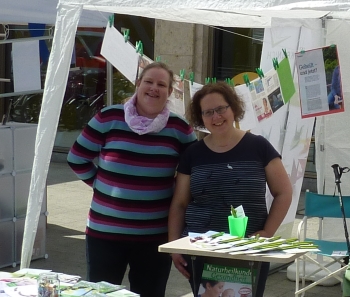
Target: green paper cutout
x: 286, y: 80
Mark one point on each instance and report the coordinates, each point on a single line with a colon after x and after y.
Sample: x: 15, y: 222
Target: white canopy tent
x: 230, y: 13
x: 42, y: 12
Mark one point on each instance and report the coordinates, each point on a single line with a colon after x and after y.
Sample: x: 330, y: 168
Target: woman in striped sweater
x: 136, y: 147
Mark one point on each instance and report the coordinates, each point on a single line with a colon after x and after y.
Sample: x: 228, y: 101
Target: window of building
x: 236, y: 50
x: 86, y: 86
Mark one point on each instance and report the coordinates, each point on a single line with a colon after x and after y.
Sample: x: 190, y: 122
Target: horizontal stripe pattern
x: 133, y: 177
x: 219, y: 180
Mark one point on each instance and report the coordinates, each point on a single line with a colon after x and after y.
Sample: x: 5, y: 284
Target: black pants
x: 198, y: 269
x: 149, y: 269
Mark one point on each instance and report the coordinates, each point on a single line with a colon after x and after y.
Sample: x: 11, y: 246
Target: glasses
x: 218, y: 110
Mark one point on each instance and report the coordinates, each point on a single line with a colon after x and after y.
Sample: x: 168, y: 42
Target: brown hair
x: 194, y: 111
x: 158, y: 65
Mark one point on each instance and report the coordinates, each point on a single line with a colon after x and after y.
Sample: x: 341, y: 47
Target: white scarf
x: 143, y: 125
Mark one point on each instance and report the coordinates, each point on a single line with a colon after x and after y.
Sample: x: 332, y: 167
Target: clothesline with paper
x: 124, y: 57
x: 263, y: 96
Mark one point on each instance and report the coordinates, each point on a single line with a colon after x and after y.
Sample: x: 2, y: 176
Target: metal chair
x: 320, y: 207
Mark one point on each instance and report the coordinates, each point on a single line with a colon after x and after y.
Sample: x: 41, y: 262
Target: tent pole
x: 109, y: 83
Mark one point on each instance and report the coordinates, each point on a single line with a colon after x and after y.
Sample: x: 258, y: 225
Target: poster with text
x: 320, y: 85
x: 226, y: 281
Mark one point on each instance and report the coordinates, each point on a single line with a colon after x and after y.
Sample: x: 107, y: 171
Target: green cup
x: 237, y: 226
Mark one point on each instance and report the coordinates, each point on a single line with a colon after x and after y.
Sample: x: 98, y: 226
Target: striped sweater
x: 133, y: 177
x: 219, y: 180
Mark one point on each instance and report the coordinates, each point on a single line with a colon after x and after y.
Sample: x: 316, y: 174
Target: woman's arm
x: 85, y: 149
x: 176, y: 221
x: 281, y: 190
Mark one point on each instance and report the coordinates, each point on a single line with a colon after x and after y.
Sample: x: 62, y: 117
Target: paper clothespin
x: 229, y: 81
x: 285, y: 52
x: 182, y: 74
x: 139, y: 47
x: 126, y: 35
x: 260, y: 72
x: 302, y: 51
x: 111, y: 20
x: 275, y: 63
x: 246, y: 79
x: 158, y: 58
x: 191, y: 77
x: 207, y: 80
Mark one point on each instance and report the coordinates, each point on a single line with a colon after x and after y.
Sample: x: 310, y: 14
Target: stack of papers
x: 225, y: 243
x: 23, y: 283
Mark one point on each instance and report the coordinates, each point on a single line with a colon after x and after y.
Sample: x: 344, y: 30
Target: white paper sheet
x: 122, y: 55
x: 26, y: 66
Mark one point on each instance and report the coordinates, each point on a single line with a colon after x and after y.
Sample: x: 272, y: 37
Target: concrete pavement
x: 68, y: 202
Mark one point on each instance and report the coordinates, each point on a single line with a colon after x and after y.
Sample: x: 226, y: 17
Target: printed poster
x: 266, y: 95
x: 226, y: 281
x: 178, y: 96
x: 320, y: 85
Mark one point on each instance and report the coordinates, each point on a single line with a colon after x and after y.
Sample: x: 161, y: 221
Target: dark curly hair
x: 194, y: 111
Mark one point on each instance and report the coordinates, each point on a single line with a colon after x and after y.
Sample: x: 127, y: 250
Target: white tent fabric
x: 333, y: 144
x: 43, y: 12
x: 250, y: 6
x: 56, y: 78
x: 237, y: 13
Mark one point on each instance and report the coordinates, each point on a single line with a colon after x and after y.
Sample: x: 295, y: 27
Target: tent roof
x: 228, y: 13
x: 257, y: 5
x: 43, y: 12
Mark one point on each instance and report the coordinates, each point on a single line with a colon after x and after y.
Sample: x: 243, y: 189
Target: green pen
x: 247, y: 242
x: 230, y: 240
x: 274, y: 238
x: 217, y: 235
x: 233, y: 212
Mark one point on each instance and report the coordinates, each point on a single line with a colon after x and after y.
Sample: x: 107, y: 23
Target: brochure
x: 227, y: 281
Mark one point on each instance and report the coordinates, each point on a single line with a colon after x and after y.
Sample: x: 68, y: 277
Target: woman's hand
x: 180, y: 264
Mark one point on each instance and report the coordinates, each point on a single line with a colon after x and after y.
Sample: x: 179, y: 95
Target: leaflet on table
x: 18, y: 291
x: 34, y: 273
x: 101, y: 287
x: 231, y: 281
x: 122, y: 293
x: 17, y: 286
x: 30, y: 272
x: 24, y: 283
x: 225, y: 243
x: 75, y: 292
